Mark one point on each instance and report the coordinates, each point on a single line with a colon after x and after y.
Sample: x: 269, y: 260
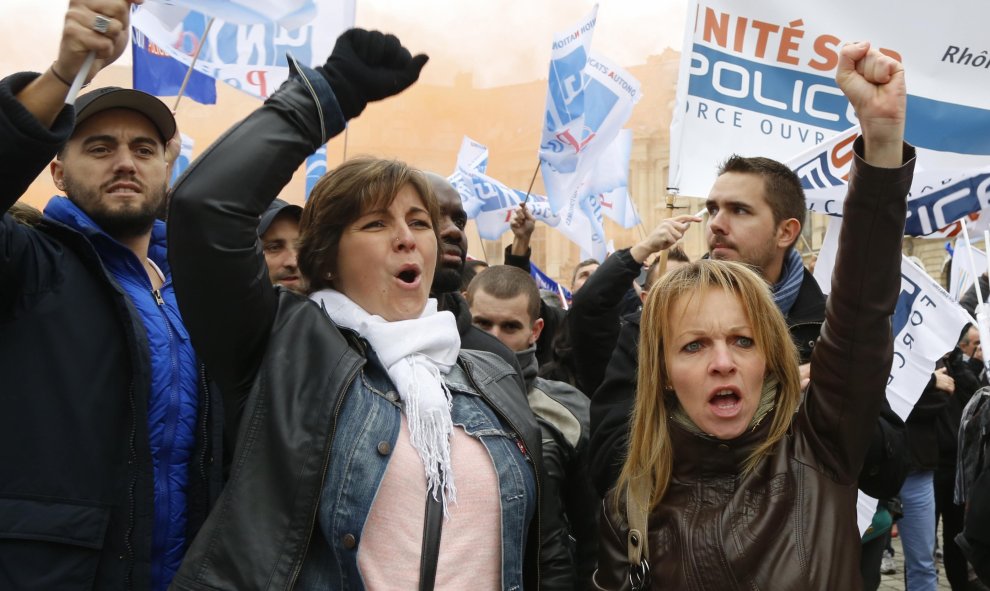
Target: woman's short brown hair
x: 342, y: 196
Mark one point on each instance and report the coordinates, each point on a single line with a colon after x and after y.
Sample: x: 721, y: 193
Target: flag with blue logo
x: 185, y: 157
x: 589, y: 99
x: 316, y: 167
x: 491, y: 204
x: 248, y: 40
x: 937, y: 199
x: 926, y: 324
x: 156, y: 72
x: 757, y: 77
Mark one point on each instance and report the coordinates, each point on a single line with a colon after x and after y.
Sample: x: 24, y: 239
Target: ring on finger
x: 101, y: 24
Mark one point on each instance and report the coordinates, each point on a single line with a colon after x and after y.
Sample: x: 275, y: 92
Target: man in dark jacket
x: 107, y: 427
x: 965, y: 384
x: 505, y: 303
x: 446, y: 286
x: 278, y: 229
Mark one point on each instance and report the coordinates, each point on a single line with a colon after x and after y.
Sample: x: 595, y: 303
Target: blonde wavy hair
x: 649, y: 461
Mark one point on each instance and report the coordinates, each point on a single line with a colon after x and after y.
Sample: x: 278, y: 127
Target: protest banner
x: 937, y: 198
x: 756, y: 78
x: 926, y: 324
x: 589, y: 99
x: 247, y: 43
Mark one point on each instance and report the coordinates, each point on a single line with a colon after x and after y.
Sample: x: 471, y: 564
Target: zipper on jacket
x: 528, y: 458
x: 167, y: 449
x: 204, y: 432
x: 326, y: 463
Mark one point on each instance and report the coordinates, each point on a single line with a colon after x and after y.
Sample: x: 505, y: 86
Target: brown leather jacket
x: 790, y: 524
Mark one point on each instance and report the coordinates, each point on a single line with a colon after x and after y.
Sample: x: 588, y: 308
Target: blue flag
x: 158, y: 74
x: 316, y: 167
x: 543, y: 281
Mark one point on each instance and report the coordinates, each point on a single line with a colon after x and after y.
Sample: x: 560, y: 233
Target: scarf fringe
x: 430, y: 430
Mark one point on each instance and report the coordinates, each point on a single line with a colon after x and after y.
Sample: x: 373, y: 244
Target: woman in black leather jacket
x: 363, y: 432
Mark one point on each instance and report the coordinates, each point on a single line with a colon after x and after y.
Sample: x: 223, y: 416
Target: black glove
x: 369, y: 66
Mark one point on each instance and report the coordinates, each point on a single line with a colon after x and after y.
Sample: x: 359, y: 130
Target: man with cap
x: 110, y: 439
x: 279, y: 232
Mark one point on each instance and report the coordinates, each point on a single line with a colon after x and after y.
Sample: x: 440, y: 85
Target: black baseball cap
x: 277, y: 207
x: 114, y: 97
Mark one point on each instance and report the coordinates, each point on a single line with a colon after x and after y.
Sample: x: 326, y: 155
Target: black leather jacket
x: 283, y: 413
x: 570, y: 515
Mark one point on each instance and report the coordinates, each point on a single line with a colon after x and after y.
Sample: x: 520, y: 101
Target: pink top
x: 471, y: 542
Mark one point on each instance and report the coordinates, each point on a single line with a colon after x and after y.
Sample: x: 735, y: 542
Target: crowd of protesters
x: 258, y: 395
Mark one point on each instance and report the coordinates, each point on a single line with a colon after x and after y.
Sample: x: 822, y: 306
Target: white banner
x: 926, y: 325
x: 757, y: 78
x: 248, y: 40
x: 964, y: 260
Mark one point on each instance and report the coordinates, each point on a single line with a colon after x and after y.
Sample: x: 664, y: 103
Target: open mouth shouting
x: 725, y: 402
x: 409, y: 276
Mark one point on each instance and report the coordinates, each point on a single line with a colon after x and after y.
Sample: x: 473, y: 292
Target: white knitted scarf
x: 416, y: 353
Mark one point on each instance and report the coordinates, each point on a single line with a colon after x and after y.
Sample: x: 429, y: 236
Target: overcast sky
x: 501, y: 41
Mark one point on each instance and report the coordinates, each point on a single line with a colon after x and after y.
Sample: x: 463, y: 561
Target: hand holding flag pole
x: 96, y: 28
x: 80, y: 79
x: 662, y: 264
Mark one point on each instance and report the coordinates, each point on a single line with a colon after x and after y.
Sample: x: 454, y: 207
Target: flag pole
x: 80, y: 79
x: 982, y: 321
x: 662, y: 265
x: 189, y: 71
x: 539, y: 163
x: 484, y: 251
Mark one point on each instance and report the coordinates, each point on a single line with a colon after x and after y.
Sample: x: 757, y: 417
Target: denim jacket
x: 372, y: 414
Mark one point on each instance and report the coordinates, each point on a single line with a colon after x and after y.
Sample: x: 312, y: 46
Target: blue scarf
x: 785, y: 291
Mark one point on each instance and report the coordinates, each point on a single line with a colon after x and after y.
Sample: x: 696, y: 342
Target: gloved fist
x: 369, y: 66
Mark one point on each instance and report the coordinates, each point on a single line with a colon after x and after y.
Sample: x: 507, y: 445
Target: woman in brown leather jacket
x: 737, y: 482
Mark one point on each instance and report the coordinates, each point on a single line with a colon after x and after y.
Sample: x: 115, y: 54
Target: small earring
x: 329, y: 276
